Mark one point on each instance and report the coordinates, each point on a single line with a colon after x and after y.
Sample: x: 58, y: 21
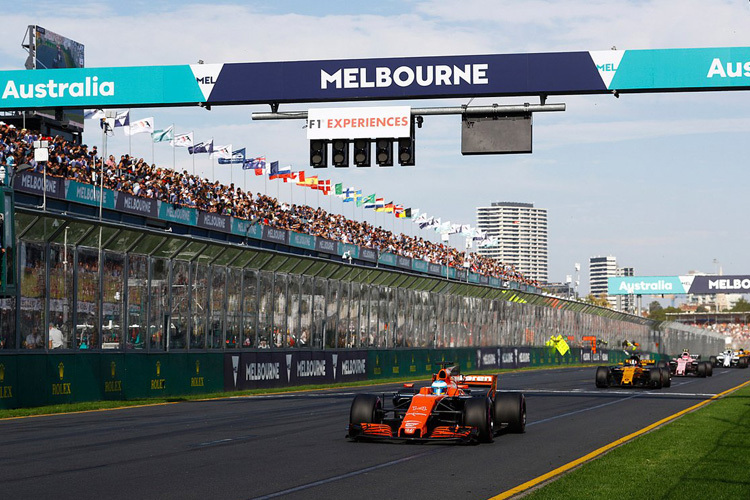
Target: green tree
x: 741, y: 306
x: 597, y: 300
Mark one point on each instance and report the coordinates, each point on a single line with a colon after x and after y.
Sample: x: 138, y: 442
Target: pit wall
x: 28, y: 380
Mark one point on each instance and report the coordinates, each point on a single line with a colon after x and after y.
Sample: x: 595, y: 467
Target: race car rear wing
x: 479, y: 381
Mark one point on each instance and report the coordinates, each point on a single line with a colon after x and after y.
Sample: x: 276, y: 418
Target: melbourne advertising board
x: 253, y: 370
x: 560, y: 73
x: 676, y: 285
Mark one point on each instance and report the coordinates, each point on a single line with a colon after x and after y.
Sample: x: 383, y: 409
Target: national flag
x: 143, y: 126
x: 397, y: 209
x: 404, y: 214
x: 202, y: 147
x: 294, y: 176
x: 93, y: 114
x: 379, y: 204
x: 338, y: 189
x: 237, y: 156
x: 309, y: 181
x: 325, y: 186
x: 258, y: 164
x: 163, y: 135
x: 433, y: 222
x: 369, y: 201
x: 223, y: 152
x: 182, y: 140
x: 389, y: 207
x: 122, y: 119
x: 455, y: 229
x: 277, y: 172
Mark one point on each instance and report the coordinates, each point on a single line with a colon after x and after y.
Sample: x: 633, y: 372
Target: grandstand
x: 136, y: 177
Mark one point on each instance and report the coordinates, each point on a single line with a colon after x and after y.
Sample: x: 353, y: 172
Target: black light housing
x: 318, y: 156
x: 384, y: 152
x: 406, y: 151
x: 340, y: 152
x: 361, y: 154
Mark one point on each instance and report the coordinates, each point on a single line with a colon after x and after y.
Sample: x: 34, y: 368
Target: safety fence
x: 29, y: 380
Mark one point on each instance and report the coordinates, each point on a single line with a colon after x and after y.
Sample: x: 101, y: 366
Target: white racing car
x: 731, y: 359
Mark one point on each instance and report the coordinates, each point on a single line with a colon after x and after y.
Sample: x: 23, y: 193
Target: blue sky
x: 657, y: 180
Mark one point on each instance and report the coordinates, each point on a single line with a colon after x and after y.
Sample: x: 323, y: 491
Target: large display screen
x: 53, y: 51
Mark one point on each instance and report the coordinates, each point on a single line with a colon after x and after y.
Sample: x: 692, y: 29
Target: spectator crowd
x: 136, y: 177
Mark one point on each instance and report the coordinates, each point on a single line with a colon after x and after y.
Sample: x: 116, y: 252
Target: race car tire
x: 366, y: 409
x: 602, y: 377
x: 510, y: 409
x: 666, y: 378
x: 713, y: 360
x: 478, y: 413
x: 655, y: 378
x: 709, y: 369
x: 702, y: 370
x: 742, y: 363
x: 662, y: 364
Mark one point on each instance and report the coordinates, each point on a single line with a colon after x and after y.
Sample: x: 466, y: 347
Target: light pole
x: 41, y: 155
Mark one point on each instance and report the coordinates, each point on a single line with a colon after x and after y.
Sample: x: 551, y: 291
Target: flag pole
x: 174, y: 149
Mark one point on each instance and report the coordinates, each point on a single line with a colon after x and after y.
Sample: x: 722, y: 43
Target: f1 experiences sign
x: 678, y: 285
x: 254, y: 370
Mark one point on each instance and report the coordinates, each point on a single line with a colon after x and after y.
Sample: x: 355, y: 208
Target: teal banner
x: 242, y: 227
x: 727, y: 67
x: 101, y: 87
x: 419, y: 265
x: 88, y: 194
x: 177, y: 213
x: 387, y: 258
x: 302, y: 240
x: 347, y: 247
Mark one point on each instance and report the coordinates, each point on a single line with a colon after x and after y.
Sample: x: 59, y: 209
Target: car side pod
x: 510, y: 411
x: 602, y: 377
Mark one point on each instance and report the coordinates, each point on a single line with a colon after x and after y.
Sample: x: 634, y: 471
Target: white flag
x: 94, y: 114
x: 140, y: 127
x: 182, y: 140
x: 223, y: 152
x: 123, y: 118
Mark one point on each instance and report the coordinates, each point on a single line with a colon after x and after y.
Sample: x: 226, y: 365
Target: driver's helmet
x: 439, y: 387
x: 685, y: 353
x: 633, y: 361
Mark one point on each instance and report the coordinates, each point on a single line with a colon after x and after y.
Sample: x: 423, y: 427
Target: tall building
x: 602, y: 268
x: 521, y: 234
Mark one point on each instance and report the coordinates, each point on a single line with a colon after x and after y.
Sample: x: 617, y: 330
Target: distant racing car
x: 731, y: 359
x: 634, y: 372
x: 687, y: 364
x: 455, y: 408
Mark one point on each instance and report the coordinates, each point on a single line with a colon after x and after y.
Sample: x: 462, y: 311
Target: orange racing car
x: 455, y: 408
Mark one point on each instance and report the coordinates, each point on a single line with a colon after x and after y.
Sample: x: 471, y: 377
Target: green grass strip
x: 703, y: 453
x: 109, y: 405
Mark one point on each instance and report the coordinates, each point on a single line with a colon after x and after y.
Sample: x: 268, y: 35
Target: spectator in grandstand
x: 56, y: 339
x: 33, y: 339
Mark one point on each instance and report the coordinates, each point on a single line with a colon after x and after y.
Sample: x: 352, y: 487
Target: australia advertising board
x: 678, y: 285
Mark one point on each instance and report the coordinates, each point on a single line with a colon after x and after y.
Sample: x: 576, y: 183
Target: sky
x: 659, y: 181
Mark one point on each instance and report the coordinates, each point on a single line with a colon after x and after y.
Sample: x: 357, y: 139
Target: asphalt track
x: 293, y: 446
